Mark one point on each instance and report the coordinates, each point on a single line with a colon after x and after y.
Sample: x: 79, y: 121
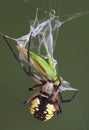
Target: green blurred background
x: 71, y: 52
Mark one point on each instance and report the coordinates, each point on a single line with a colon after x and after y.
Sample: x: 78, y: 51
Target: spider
x: 45, y: 103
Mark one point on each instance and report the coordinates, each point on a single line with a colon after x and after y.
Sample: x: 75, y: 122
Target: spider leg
x: 35, y: 87
x: 29, y: 73
x: 57, y: 91
x: 54, y: 100
x: 67, y: 100
x: 58, y: 108
x: 29, y: 100
x: 29, y: 46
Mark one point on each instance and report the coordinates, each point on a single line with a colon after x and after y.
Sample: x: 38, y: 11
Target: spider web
x: 44, y: 34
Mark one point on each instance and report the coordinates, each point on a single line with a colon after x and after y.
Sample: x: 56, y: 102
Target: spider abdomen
x: 42, y: 109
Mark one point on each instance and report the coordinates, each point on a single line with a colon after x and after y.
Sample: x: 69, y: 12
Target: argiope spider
x: 44, y: 103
